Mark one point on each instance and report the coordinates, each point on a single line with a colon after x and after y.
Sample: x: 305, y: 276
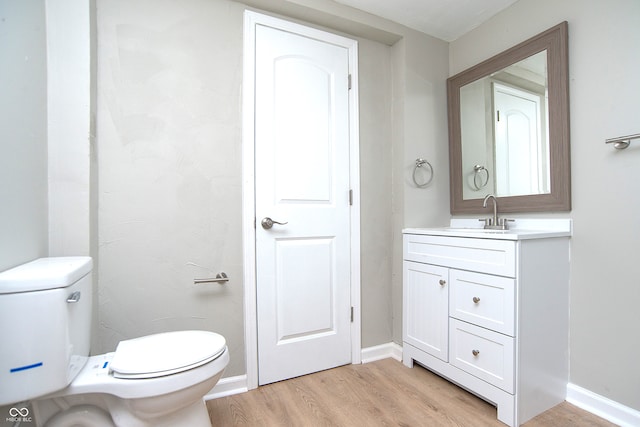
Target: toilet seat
x: 97, y: 377
x: 166, y: 353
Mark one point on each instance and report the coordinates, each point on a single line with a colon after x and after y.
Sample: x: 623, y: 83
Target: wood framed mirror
x: 509, y: 128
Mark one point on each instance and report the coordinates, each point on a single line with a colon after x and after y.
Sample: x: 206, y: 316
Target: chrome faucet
x: 494, y: 223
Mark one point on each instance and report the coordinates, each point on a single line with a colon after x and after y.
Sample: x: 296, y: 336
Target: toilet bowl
x: 157, y: 380
x: 146, y: 399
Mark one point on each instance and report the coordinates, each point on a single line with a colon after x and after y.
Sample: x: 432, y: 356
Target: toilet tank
x: 45, y: 326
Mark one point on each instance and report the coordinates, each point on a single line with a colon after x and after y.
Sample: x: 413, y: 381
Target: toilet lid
x: 166, y: 353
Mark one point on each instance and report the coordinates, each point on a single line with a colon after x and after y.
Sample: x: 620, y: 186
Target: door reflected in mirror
x: 504, y: 132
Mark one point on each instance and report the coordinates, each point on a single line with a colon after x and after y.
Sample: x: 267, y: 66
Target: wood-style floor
x: 382, y: 393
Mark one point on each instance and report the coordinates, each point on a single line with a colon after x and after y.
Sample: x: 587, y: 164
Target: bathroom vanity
x: 489, y: 311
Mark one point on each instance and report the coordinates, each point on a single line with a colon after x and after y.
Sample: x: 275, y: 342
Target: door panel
x: 302, y: 181
x: 303, y: 126
x: 305, y: 288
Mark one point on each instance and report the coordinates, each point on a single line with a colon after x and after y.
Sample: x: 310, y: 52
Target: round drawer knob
x: 442, y: 282
x: 476, y: 300
x: 475, y: 352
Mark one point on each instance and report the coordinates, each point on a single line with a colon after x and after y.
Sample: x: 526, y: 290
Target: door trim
x: 251, y: 19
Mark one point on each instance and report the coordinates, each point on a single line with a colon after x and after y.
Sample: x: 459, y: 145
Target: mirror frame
x: 555, y: 41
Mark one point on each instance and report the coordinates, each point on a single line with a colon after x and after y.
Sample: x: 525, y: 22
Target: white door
x: 302, y: 181
x: 521, y: 155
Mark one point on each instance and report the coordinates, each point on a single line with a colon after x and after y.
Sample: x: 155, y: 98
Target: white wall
x: 23, y: 133
x: 69, y: 126
x: 45, y: 130
x: 604, y: 66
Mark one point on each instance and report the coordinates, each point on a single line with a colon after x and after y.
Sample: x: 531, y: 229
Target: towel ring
x: 477, y: 169
x: 420, y: 163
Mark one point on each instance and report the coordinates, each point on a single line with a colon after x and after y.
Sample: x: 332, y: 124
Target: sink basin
x: 474, y: 230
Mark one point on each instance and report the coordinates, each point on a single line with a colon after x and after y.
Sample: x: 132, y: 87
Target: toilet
x: 45, y: 323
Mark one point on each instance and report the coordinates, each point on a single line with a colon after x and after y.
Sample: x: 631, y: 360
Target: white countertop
x: 521, y: 229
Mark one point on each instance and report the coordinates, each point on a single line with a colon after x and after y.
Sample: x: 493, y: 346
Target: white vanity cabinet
x: 490, y: 312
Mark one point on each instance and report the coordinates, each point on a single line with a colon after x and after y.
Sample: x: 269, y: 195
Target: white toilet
x: 45, y: 322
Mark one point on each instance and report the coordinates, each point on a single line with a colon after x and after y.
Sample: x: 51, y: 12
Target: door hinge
x: 350, y: 197
x: 351, y: 314
x: 349, y: 82
x: 498, y: 115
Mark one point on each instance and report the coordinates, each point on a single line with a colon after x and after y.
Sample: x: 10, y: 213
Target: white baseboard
x: 382, y: 351
x: 602, y: 406
x: 227, y: 387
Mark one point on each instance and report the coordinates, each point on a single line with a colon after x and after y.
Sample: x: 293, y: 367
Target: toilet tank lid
x: 45, y: 273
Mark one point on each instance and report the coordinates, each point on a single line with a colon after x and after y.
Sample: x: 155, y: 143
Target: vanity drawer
x: 482, y: 255
x: 482, y: 299
x: 482, y: 353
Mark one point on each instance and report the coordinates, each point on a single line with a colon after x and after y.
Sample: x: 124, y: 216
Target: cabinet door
x: 426, y: 308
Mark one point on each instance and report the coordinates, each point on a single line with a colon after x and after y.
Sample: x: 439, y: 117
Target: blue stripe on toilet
x: 26, y: 367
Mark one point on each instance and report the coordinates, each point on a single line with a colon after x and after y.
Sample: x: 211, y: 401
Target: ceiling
x: 444, y: 19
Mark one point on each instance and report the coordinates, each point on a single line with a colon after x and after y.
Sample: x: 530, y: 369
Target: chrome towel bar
x: 220, y: 278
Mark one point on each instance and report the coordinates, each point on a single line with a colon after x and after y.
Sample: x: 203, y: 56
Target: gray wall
x: 604, y: 66
x: 170, y: 193
x: 420, y: 130
x: 169, y: 140
x: 23, y: 132
x: 375, y: 191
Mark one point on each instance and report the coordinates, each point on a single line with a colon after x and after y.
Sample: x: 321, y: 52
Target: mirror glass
x: 503, y: 120
x: 509, y: 130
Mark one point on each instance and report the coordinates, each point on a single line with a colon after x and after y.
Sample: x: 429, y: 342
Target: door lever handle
x: 74, y: 297
x: 267, y: 223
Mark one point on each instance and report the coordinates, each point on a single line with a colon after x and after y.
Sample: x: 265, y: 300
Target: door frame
x: 251, y: 19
